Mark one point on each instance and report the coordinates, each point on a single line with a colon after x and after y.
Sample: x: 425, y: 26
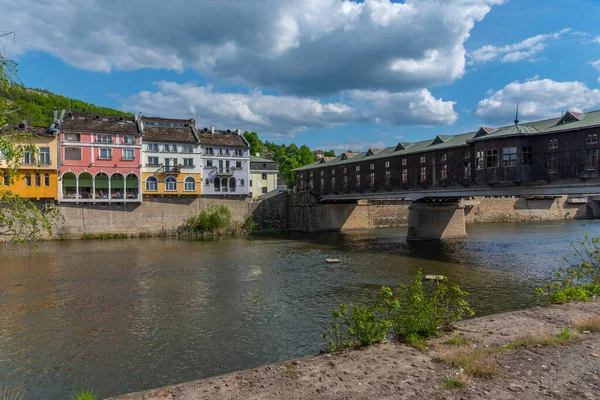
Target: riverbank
x: 525, y: 352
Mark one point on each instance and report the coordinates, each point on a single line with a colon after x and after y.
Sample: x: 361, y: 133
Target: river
x: 124, y: 315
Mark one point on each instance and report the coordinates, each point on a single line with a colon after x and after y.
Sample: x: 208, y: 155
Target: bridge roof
x: 569, y: 121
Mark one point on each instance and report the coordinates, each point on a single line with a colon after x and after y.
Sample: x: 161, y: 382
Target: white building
x: 225, y: 162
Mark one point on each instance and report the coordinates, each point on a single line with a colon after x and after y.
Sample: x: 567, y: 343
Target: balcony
x: 170, y: 169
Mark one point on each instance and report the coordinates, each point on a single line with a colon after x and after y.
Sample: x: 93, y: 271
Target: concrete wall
x: 150, y: 217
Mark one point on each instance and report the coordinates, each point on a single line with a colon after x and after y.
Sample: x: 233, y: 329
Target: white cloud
x: 595, y: 64
x: 596, y: 39
x: 524, y: 50
x: 538, y: 99
x: 287, y: 115
x: 298, y: 47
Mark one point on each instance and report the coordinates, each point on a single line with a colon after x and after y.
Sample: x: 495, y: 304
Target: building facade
x: 100, y: 158
x: 37, y: 175
x: 263, y: 176
x: 559, y: 150
x: 172, y: 161
x: 225, y: 162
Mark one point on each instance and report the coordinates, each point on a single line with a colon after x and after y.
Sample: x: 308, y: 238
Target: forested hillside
x: 35, y: 106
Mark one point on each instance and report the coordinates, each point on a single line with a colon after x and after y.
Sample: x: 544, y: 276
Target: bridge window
x: 509, y: 157
x: 467, y: 170
x: 404, y: 162
x: 479, y: 160
x: 388, y: 176
x: 358, y: 168
x: 38, y: 180
x: 423, y: 174
x: 357, y: 180
x: 322, y: 184
x: 552, y: 163
x: 345, y: 182
x: 322, y: 173
x: 492, y: 158
x: 46, y: 180
x: 423, y: 160
x: 27, y: 179
x: 345, y: 170
x: 333, y: 182
x: 553, y: 144
x: 591, y: 162
x: 444, y: 174
x: 444, y: 157
x: 592, y: 138
x: 372, y: 179
x: 311, y: 184
x: 372, y: 166
x: 527, y: 155
x: 387, y: 164
x: 332, y: 171
x: 311, y: 174
x: 404, y: 175
x: 467, y: 153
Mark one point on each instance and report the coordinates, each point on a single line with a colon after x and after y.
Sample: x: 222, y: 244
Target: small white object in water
x: 434, y: 277
x: 332, y: 260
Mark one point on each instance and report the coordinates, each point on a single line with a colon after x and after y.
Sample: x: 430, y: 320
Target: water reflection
x: 123, y: 315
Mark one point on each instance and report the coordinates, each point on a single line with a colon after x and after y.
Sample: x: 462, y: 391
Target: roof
x: 99, y: 123
x: 222, y: 138
x: 32, y: 130
x: 260, y: 159
x: 169, y: 130
x: 569, y: 121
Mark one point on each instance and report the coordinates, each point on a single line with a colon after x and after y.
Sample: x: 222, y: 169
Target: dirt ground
x: 395, y: 371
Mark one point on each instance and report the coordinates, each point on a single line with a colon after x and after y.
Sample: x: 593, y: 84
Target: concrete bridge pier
x: 436, y: 220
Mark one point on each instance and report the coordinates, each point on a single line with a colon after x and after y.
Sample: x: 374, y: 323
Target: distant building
x: 263, y: 176
x: 172, y: 163
x: 100, y: 158
x: 37, y: 175
x: 319, y: 154
x: 225, y: 162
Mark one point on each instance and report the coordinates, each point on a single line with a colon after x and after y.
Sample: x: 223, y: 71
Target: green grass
x: 458, y: 340
x: 543, y: 340
x: 416, y: 342
x: 589, y: 324
x: 474, y: 362
x: 85, y: 395
x: 455, y: 383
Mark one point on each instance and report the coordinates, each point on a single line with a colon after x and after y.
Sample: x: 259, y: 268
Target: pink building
x: 100, y: 158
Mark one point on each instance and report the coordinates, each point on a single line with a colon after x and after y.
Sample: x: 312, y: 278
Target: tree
x: 256, y: 145
x: 329, y: 153
x: 21, y: 221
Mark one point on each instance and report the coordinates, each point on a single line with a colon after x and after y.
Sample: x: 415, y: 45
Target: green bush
x: 580, y: 280
x: 85, y: 395
x: 411, y: 315
x: 212, y: 220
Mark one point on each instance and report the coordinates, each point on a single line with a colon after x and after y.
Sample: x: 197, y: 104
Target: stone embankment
x: 537, y: 369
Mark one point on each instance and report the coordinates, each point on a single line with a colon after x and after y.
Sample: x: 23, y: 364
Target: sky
x: 331, y: 74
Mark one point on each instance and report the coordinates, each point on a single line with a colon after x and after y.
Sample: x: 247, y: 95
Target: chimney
x: 238, y: 131
x: 212, y: 129
x: 55, y: 113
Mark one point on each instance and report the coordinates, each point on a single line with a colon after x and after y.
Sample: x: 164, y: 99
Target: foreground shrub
x: 580, y: 280
x: 411, y: 315
x: 85, y: 395
x: 211, y: 220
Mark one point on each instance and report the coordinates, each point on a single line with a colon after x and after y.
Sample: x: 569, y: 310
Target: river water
x: 125, y: 315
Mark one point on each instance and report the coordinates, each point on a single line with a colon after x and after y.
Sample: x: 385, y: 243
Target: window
x: 226, y: 152
x: 357, y: 180
x: 387, y: 164
x: 333, y: 182
x: 264, y: 176
x: 188, y: 162
x: 210, y: 150
x: 128, y: 139
x: 238, y: 165
x: 358, y: 168
x: 423, y: 175
x: 591, y: 162
x: 311, y: 184
x: 444, y: 157
x: 372, y: 179
x: 188, y: 148
x: 404, y: 162
x: 404, y: 175
x: 251, y: 182
x: 105, y: 154
x: 221, y: 152
x: 27, y: 179
x: 128, y: 154
x: 553, y: 144
x: 209, y: 163
x: 372, y: 166
x: 322, y: 184
x: 527, y: 155
x: 152, y: 147
x: 492, y: 158
x: 241, y: 182
x: 171, y: 184
x: 388, y: 177
x: 509, y: 157
x: 322, y: 173
x: 592, y: 138
x: 552, y: 163
x: 38, y: 180
x: 189, y: 184
x: 28, y: 157
x: 239, y: 152
x: 46, y: 180
x: 467, y: 170
x: 5, y: 180
x: 332, y: 171
x: 152, y: 161
x: 206, y: 182
x: 264, y: 190
x: 72, y: 137
x: 345, y: 170
x: 479, y: 160
x: 423, y: 160
x: 102, y: 138
x: 151, y: 184
x: 45, y: 155
x: 73, y: 153
x: 171, y: 148
x: 467, y: 153
x: 444, y: 172
x: 311, y: 174
x: 345, y: 182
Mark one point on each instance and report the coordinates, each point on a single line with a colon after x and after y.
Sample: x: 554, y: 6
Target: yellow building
x: 263, y: 176
x: 38, y: 173
x: 171, y: 158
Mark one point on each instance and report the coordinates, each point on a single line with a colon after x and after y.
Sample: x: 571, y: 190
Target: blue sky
x: 326, y: 73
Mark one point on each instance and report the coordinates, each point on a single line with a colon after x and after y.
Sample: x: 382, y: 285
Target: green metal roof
x: 440, y: 142
x: 260, y: 159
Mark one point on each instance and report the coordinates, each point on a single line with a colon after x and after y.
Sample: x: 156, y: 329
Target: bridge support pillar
x: 436, y: 221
